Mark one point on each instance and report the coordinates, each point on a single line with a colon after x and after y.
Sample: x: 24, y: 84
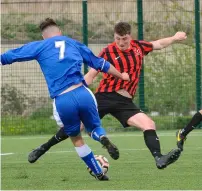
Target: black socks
x: 196, y: 119
x: 152, y: 142
x: 58, y: 137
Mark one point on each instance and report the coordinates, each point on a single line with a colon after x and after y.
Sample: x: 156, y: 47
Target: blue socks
x: 87, y: 156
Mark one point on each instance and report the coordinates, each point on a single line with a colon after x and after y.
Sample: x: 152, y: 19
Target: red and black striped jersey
x: 129, y: 61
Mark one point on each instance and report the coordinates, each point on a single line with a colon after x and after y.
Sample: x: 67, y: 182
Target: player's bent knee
x: 143, y: 125
x: 150, y: 126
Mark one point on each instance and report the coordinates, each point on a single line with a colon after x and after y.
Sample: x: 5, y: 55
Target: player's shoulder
x: 135, y: 42
x: 34, y: 44
x: 139, y: 43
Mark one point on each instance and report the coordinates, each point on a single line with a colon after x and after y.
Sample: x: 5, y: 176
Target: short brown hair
x: 122, y: 28
x: 46, y: 23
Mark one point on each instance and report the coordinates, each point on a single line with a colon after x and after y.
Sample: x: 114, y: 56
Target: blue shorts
x: 75, y: 106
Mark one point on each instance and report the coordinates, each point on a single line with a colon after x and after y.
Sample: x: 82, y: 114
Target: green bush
x: 45, y: 125
x: 25, y: 126
x: 33, y: 31
x: 170, y: 81
x: 170, y: 122
x: 162, y: 123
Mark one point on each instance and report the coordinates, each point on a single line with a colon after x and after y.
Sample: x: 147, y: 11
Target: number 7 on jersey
x: 61, y: 46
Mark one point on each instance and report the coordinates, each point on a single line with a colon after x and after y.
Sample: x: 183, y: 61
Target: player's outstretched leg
x: 165, y: 160
x: 38, y: 152
x: 153, y: 143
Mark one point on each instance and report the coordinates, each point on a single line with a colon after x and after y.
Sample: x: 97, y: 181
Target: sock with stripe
x: 87, y: 156
x: 97, y: 133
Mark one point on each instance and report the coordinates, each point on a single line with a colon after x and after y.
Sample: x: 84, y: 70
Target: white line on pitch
x: 4, y: 154
x: 169, y: 134
x: 144, y: 149
x: 52, y: 152
x: 72, y: 151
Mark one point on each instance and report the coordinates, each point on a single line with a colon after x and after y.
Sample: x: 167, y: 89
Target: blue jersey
x: 60, y: 59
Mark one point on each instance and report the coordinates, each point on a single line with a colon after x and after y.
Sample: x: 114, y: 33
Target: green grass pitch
x: 61, y: 168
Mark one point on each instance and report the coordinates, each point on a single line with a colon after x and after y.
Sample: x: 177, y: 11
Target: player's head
x: 122, y: 35
x: 49, y: 28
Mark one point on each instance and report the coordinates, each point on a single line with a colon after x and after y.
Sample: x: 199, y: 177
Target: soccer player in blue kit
x: 61, y: 59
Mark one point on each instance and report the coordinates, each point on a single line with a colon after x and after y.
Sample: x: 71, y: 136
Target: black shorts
x: 122, y: 108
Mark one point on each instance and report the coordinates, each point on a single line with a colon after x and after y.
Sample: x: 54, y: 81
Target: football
x: 103, y: 162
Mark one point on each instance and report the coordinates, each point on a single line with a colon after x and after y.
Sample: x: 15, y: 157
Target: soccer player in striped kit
x: 115, y: 96
x: 61, y: 59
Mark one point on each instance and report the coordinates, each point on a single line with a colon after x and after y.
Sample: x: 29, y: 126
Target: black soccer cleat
x: 165, y: 160
x: 180, y: 140
x: 111, y: 148
x: 102, y: 177
x: 36, y: 153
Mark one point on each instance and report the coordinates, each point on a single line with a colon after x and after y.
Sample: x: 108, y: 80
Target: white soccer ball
x: 103, y: 163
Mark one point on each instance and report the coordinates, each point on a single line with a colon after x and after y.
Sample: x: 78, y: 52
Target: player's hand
x: 125, y: 76
x: 179, y: 36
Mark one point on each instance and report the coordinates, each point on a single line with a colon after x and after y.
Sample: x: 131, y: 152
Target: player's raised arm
x: 89, y: 77
x: 24, y: 53
x: 165, y: 42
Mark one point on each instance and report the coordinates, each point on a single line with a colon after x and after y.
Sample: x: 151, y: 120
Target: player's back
x: 60, y: 61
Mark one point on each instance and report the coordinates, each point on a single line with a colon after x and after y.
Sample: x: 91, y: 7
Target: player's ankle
x: 156, y: 154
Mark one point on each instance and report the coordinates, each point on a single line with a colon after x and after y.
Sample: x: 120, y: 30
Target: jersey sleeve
x: 146, y: 46
x: 24, y: 53
x: 98, y: 63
